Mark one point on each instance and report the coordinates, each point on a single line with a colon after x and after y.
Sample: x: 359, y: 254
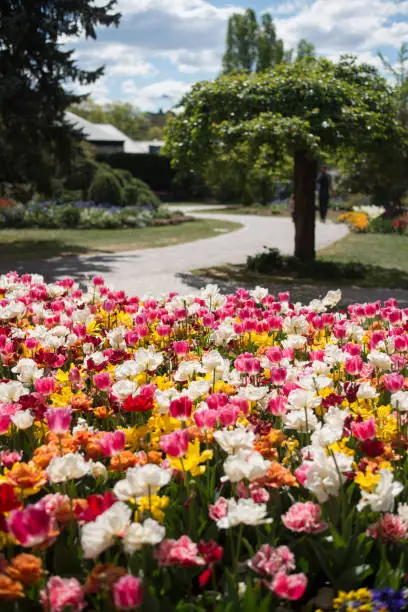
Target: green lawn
x: 386, y: 250
x: 44, y: 243
x: 385, y: 255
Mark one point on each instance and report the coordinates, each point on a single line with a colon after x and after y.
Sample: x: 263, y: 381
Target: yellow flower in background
x: 141, y: 379
x: 163, y: 383
x: 291, y: 447
x: 193, y: 459
x: 367, y: 480
x: 93, y: 328
x: 341, y: 447
x: 158, y: 425
x: 62, y: 377
x: 6, y: 540
x: 242, y: 421
x: 124, y: 318
x: 353, y: 600
x: 153, y: 504
x: 325, y: 392
x: 259, y: 339
x: 63, y: 398
x: 134, y: 435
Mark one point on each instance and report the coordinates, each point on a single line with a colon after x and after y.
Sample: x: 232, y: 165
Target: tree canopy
x: 307, y: 108
x: 252, y: 46
x: 36, y: 72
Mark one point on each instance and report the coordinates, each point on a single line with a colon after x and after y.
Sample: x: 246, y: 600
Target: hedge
x: 155, y: 170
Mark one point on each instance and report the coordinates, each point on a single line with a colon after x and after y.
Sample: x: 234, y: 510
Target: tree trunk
x: 305, y: 210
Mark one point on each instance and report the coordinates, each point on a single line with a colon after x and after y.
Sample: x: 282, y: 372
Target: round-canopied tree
x: 307, y: 109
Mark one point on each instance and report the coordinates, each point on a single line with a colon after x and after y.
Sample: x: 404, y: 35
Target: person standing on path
x: 324, y: 185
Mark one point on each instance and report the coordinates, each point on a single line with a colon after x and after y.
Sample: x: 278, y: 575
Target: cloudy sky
x: 162, y: 46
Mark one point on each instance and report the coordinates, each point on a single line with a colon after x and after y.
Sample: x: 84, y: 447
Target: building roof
x: 105, y: 132
x: 92, y: 131
x: 131, y: 146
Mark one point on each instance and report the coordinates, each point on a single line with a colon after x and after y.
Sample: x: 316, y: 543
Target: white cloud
x: 288, y: 8
x: 183, y: 9
x: 177, y: 40
x: 192, y: 62
x: 98, y: 91
x: 161, y: 94
x: 120, y: 60
x: 348, y: 26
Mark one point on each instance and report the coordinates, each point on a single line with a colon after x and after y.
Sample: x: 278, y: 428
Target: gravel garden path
x: 165, y: 269
x: 156, y: 271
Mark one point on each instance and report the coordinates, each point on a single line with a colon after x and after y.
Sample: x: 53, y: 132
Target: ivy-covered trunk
x: 305, y: 211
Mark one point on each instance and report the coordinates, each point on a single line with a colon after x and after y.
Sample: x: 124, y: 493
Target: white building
x: 108, y: 139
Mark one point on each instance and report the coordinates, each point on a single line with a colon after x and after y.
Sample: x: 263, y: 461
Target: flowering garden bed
x: 200, y: 453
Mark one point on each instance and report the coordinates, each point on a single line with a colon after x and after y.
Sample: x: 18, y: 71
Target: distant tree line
x: 126, y: 117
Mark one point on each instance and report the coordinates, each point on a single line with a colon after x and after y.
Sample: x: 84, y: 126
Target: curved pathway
x: 157, y: 271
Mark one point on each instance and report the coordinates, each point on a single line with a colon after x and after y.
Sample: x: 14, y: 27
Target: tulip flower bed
x: 210, y: 453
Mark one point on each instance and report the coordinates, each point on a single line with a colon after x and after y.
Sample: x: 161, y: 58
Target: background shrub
x: 381, y: 226
x: 272, y: 262
x: 68, y: 216
x: 106, y: 188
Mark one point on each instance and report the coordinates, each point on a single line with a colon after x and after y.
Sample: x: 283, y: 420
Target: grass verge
x: 385, y: 250
x: 381, y: 260
x: 19, y: 245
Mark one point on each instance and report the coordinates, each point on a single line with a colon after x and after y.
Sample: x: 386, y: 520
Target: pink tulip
x: 247, y: 364
x: 395, y: 316
x: 219, y: 509
x: 181, y: 407
x: 291, y: 586
x: 304, y: 518
x: 181, y: 347
x: 375, y: 339
x: 340, y: 330
x: 275, y: 323
x: 328, y: 319
x: 182, y: 552
x: 260, y: 495
x: 217, y: 400
x: 58, y: 419
x: 112, y: 443
x: 370, y: 310
x: 127, y: 592
x: 274, y: 354
x: 205, y: 419
x: 354, y: 365
x: 6, y: 412
x: 29, y: 526
x: 175, y: 444
x: 278, y: 376
x: 301, y: 473
x: 353, y: 349
x: 8, y: 457
x: 364, y: 430
x: 62, y: 594
x: 31, y: 343
x: 74, y: 376
x: 45, y: 386
x: 394, y: 382
x: 102, y: 381
x: 277, y: 406
x: 228, y: 415
x: 241, y: 403
x: 401, y: 343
